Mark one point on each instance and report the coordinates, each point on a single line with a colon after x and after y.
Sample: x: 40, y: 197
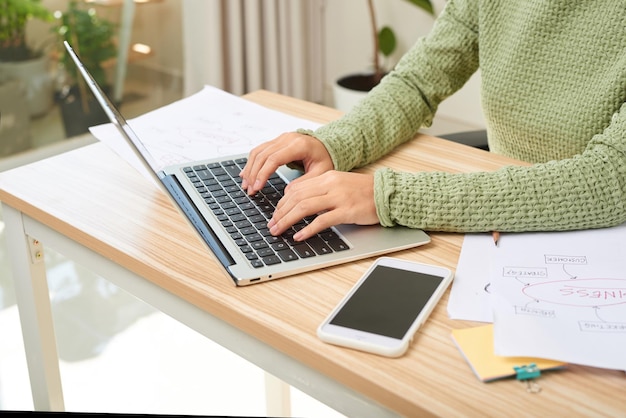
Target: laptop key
x: 319, y: 246
x: 338, y: 245
x: 221, y: 197
x: 254, y: 238
x: 240, y: 217
x: 273, y: 197
x: 266, y: 233
x: 280, y: 245
x: 248, y: 230
x: 250, y: 212
x: 270, y: 238
x: 232, y: 189
x: 231, y: 211
x: 219, y: 171
x: 257, y: 245
x: 233, y: 170
x: 271, y: 260
x: 204, y: 174
x: 265, y: 252
x: 288, y: 236
x: 303, y: 250
x: 287, y: 255
x: 258, y: 219
x: 243, y: 224
x: 243, y: 201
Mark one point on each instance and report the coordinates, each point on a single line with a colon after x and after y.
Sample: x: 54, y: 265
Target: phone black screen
x: 387, y: 302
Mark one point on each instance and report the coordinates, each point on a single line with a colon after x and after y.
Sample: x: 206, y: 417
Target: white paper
x: 211, y: 123
x: 469, y: 296
x: 561, y: 296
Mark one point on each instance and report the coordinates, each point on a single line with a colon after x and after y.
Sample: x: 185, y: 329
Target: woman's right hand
x: 287, y: 148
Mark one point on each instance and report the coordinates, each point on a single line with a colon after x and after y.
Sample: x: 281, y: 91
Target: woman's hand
x: 338, y: 197
x: 289, y: 147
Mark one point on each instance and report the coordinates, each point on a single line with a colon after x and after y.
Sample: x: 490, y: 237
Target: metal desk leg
x: 33, y: 301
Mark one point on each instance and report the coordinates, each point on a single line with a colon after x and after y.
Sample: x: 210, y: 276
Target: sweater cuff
x: 303, y: 131
x: 384, y: 188
x: 332, y: 154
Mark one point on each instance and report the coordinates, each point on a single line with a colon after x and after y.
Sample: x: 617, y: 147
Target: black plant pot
x: 351, y: 89
x: 78, y: 118
x: 359, y: 82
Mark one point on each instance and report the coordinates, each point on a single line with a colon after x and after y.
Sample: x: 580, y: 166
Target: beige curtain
x: 246, y: 45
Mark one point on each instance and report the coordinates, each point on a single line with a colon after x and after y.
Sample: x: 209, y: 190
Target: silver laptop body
x: 189, y: 186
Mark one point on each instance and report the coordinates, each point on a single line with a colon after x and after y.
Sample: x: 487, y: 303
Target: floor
x: 118, y: 354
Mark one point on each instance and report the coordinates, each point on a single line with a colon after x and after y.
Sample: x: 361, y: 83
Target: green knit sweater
x: 553, y: 92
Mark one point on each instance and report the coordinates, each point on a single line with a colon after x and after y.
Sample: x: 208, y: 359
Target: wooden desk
x: 111, y: 222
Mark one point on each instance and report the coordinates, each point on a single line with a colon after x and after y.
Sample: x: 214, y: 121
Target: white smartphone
x: 385, y: 308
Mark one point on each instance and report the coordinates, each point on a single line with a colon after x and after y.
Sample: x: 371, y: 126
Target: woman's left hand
x: 338, y: 197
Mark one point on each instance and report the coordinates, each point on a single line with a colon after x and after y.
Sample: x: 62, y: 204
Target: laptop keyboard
x: 245, y: 217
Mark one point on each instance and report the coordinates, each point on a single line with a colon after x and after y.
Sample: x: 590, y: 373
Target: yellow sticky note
x: 476, y: 344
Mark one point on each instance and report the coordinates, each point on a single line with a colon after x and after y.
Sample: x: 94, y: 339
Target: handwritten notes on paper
x: 211, y: 123
x: 558, y: 295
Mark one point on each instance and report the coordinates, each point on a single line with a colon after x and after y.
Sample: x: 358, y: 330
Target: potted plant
x: 14, y: 118
x: 20, y: 59
x: 92, y: 37
x: 351, y: 88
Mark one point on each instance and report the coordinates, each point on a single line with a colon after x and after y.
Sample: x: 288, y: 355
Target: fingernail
x: 271, y: 223
x: 297, y: 236
x: 257, y: 185
x: 244, y: 184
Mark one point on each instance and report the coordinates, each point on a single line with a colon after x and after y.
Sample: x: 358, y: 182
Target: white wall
x: 349, y: 43
x: 160, y: 26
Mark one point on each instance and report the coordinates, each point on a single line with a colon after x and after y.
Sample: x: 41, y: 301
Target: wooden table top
x: 117, y: 213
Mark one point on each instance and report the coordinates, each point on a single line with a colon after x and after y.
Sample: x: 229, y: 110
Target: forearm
x: 408, y: 97
x: 586, y: 191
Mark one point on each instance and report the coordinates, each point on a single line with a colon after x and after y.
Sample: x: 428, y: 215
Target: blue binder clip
x: 528, y: 373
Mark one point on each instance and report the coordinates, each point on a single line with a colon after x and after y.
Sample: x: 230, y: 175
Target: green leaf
x: 386, y: 41
x: 425, y: 5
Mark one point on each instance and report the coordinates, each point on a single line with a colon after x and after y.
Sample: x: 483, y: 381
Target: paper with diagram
x: 561, y: 296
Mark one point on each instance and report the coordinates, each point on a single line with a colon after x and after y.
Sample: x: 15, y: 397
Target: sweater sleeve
x: 585, y: 191
x: 408, y: 97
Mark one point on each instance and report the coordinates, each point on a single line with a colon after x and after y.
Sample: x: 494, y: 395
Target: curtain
x: 245, y: 45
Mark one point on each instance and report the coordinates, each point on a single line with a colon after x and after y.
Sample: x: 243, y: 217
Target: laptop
x: 234, y: 225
